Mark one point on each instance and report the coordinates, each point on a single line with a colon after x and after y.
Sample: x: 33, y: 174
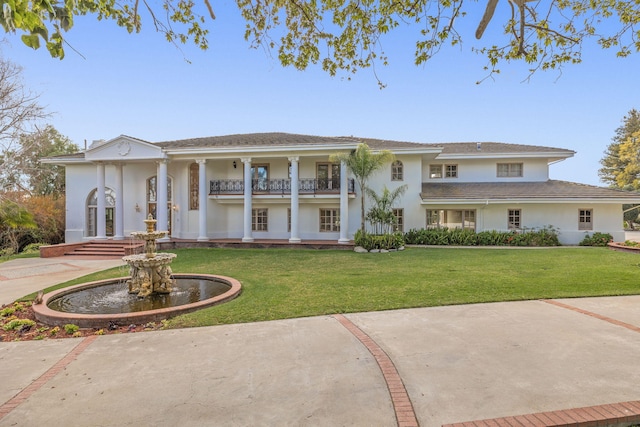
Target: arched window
x: 194, y: 187
x: 397, y: 171
x: 92, y: 212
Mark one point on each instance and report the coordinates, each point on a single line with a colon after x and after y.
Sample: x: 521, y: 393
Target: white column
x: 344, y: 204
x: 247, y: 199
x: 119, y: 219
x: 162, y: 198
x: 101, y: 212
x: 295, y: 235
x: 203, y: 190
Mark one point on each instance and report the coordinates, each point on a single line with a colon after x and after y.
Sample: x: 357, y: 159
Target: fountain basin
x: 226, y: 289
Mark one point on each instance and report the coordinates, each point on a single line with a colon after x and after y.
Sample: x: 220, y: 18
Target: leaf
x: 31, y: 40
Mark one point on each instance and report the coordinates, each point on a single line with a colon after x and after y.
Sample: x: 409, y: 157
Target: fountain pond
x: 150, y: 293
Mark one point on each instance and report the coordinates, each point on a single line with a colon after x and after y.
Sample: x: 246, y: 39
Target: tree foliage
x: 363, y: 163
x: 621, y: 161
x: 15, y: 221
x: 21, y: 167
x: 347, y: 35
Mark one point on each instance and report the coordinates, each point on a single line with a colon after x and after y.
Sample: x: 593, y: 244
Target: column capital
x: 294, y: 158
x: 201, y: 161
x: 162, y: 161
x: 245, y: 159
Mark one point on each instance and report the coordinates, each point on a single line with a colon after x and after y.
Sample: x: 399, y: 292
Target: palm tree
x: 363, y: 163
x: 381, y: 214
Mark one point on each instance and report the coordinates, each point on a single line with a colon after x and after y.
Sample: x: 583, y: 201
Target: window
x: 436, y: 171
x: 510, y: 170
x: 585, y: 219
x: 328, y: 176
x: 399, y: 221
x: 450, y: 171
x: 513, y: 221
x: 397, y: 171
x: 194, y: 187
x: 329, y: 219
x: 260, y: 219
x: 465, y: 219
x: 152, y: 199
x: 433, y: 218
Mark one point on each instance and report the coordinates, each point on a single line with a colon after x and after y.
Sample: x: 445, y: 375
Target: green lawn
x: 280, y: 284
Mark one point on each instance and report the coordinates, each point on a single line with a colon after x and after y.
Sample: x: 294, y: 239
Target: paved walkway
x: 20, y: 277
x: 559, y: 362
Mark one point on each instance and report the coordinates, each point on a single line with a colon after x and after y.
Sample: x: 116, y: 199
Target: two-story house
x: 284, y: 186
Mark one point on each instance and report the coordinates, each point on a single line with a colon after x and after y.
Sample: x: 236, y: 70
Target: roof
x: 289, y: 139
x: 279, y: 140
x: 551, y: 189
x: 256, y: 140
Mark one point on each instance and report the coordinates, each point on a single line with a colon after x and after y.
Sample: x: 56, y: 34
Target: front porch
x: 103, y: 249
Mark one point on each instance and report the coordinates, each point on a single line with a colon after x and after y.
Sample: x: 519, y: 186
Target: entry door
x: 93, y: 222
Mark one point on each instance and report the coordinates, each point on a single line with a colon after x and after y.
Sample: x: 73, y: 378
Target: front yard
x: 280, y: 284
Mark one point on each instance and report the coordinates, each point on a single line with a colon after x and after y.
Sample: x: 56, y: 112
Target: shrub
x: 597, y: 239
x: 71, y: 329
x: 7, y: 311
x: 373, y: 241
x: 546, y: 236
x: 32, y: 248
x: 17, y: 324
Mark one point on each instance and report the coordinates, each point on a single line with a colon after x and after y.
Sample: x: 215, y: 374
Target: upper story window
x: 440, y: 171
x: 510, y: 170
x: 397, y: 171
x: 450, y: 171
x: 435, y: 171
x: 194, y: 186
x: 585, y: 219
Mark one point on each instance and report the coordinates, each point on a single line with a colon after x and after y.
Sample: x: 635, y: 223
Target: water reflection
x: 113, y: 297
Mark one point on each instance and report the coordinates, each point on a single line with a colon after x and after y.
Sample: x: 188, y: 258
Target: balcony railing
x: 279, y: 186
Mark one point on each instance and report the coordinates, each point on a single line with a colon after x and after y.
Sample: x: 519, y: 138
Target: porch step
x: 106, y: 248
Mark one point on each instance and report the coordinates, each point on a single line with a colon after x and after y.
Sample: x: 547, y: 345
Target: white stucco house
x: 283, y: 186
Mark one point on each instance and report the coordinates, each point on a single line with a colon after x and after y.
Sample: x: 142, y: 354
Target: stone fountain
x: 151, y: 292
x: 150, y: 272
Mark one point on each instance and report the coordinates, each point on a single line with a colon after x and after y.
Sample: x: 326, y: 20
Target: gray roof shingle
x: 550, y: 189
x: 288, y: 139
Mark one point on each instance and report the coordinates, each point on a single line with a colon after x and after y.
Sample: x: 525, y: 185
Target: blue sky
x: 140, y: 85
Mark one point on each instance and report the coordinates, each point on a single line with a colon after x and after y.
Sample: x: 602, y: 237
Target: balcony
x: 278, y: 186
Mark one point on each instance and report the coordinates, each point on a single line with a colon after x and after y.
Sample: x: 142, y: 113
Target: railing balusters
x: 279, y: 186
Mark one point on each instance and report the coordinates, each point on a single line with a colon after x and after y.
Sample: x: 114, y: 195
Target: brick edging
x: 592, y: 314
x: 24, y: 394
x: 405, y: 415
x: 623, y: 413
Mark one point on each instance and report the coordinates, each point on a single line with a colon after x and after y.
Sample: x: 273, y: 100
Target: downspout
x: 486, y: 203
